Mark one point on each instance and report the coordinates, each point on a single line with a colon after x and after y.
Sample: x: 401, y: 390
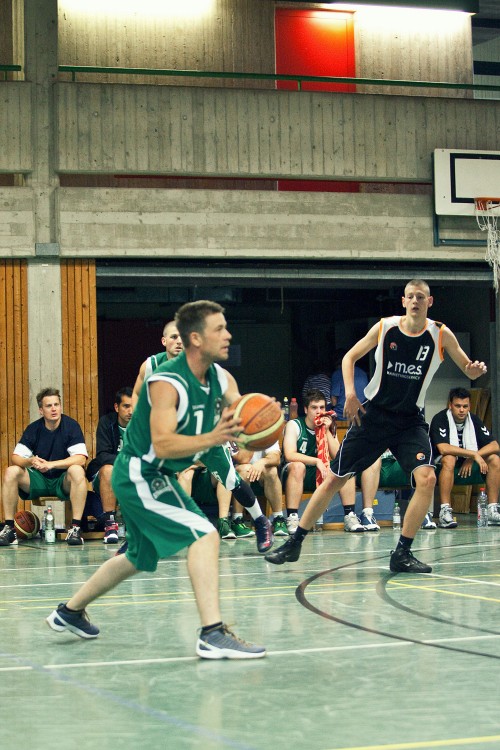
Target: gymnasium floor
x: 358, y: 658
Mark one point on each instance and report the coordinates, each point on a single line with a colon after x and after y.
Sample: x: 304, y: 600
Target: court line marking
x: 283, y: 652
x: 485, y: 739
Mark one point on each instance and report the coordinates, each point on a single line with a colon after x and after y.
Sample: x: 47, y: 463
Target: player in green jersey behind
x: 180, y: 418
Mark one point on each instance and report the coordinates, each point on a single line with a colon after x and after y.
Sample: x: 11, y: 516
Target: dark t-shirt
x: 67, y: 440
x: 440, y: 431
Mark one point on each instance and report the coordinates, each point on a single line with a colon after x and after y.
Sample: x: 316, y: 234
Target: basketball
x: 26, y: 524
x: 261, y: 421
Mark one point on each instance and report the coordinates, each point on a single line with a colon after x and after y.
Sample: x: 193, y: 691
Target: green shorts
x: 42, y: 486
x: 160, y: 517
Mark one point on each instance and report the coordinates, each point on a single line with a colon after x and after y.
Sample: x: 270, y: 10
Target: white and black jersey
x: 405, y: 365
x: 440, y: 431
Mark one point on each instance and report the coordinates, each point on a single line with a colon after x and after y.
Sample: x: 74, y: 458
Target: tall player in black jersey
x: 409, y: 349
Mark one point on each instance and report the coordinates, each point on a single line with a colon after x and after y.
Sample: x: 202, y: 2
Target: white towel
x: 468, y: 435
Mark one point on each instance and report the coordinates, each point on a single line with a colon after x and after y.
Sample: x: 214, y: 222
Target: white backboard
x: 460, y: 176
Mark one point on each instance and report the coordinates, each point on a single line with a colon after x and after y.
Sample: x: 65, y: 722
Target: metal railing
x: 298, y: 79
x: 9, y: 69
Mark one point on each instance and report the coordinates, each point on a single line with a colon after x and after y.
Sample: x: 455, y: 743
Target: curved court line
x: 302, y: 599
x: 429, y: 744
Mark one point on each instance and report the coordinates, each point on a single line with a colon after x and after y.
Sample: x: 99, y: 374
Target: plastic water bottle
x: 396, y: 517
x: 286, y: 408
x: 482, y: 509
x: 318, y: 526
x: 121, y: 523
x: 294, y: 409
x: 50, y: 529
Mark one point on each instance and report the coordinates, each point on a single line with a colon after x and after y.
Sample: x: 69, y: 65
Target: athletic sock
x: 300, y: 534
x: 349, y: 509
x: 9, y: 523
x: 289, y: 512
x: 207, y: 628
x: 237, y: 516
x: 76, y: 522
x: 405, y: 542
x: 245, y: 496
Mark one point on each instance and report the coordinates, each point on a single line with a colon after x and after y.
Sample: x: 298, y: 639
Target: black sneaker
x: 74, y: 537
x: 8, y: 536
x: 264, y: 533
x: 288, y: 552
x: 77, y: 622
x: 403, y: 561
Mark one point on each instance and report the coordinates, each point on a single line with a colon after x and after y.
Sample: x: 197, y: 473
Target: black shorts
x: 406, y: 436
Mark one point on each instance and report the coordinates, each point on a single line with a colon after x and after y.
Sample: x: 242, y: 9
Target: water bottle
x: 396, y: 518
x: 286, y: 408
x: 294, y: 409
x: 121, y: 523
x: 482, y: 508
x: 318, y: 526
x: 50, y: 529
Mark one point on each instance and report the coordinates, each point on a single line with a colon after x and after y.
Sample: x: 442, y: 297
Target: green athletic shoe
x: 279, y: 526
x: 224, y: 529
x: 241, y: 530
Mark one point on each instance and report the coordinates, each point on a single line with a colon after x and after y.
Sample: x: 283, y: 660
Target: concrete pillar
x: 44, y: 277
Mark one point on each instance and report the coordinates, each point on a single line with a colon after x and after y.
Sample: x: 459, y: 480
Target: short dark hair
x: 313, y: 395
x: 458, y: 393
x: 47, y: 392
x: 127, y: 391
x: 191, y: 317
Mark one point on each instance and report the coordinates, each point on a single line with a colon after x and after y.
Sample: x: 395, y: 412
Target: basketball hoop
x: 487, y: 211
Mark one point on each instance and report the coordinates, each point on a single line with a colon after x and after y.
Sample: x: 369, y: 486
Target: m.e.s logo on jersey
x: 401, y: 369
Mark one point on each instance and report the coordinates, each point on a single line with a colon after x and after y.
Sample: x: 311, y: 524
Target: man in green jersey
x: 179, y: 419
x: 172, y: 342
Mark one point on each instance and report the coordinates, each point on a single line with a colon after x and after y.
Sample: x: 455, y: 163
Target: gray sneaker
x: 8, y: 537
x: 221, y: 643
x: 352, y: 523
x: 446, y: 520
x: 493, y: 515
x: 76, y: 622
x: 292, y: 522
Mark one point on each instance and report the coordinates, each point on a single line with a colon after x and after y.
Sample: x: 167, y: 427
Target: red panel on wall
x: 314, y: 43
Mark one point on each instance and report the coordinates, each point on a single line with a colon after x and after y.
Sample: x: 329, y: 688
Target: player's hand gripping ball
x: 261, y: 421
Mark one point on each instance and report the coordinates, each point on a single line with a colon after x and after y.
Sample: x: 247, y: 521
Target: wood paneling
x: 79, y: 350
x: 271, y: 134
x: 14, y: 396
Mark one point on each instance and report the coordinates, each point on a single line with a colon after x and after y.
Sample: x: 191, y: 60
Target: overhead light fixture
x: 466, y: 6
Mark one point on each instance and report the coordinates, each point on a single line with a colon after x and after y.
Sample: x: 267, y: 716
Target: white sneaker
x: 292, y: 522
x: 352, y: 523
x: 428, y: 523
x: 446, y: 520
x: 368, y: 520
x: 493, y: 515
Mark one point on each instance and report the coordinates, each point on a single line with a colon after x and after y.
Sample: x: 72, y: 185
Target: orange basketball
x: 26, y: 524
x: 262, y: 421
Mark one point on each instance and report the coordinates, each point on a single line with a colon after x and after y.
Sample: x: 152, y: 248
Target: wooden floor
x: 358, y: 658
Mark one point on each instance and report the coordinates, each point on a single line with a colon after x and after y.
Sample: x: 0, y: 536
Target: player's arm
x: 471, y: 369
x: 24, y: 462
x: 167, y: 443
x: 138, y: 384
x: 78, y: 459
x: 363, y: 346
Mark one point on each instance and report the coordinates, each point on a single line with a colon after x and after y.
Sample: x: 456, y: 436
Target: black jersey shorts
x: 405, y: 435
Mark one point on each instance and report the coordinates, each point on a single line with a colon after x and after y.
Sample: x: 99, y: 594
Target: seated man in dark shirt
x: 109, y: 440
x: 48, y: 461
x: 467, y: 453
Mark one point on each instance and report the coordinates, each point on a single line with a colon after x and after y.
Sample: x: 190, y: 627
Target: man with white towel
x: 467, y: 453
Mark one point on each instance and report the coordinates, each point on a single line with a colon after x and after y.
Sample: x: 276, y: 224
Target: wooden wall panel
x: 14, y: 384
x: 272, y: 134
x: 79, y: 350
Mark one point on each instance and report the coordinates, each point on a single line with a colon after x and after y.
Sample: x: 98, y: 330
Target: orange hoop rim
x: 486, y: 204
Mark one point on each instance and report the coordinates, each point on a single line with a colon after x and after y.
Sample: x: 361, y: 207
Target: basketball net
x: 487, y: 212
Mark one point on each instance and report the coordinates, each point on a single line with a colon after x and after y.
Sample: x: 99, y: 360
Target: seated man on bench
x: 467, y: 453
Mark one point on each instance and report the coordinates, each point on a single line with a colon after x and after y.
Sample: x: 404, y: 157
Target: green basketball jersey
x: 153, y: 363
x: 198, y: 411
x: 306, y: 441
